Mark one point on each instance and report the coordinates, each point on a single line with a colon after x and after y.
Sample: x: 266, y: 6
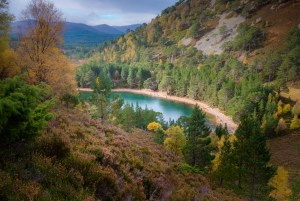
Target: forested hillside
x: 239, y: 56
x: 230, y: 54
x: 54, y: 147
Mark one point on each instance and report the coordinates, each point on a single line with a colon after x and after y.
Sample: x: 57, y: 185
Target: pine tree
x: 159, y: 136
x: 198, y: 148
x: 251, y: 158
x: 127, y: 117
x: 139, y: 78
x: 269, y: 125
x: 124, y: 74
x: 271, y: 66
x: 221, y: 131
x: 24, y: 109
x: 193, y: 91
x: 225, y: 170
x: 102, y: 89
x: 295, y: 190
x: 131, y: 78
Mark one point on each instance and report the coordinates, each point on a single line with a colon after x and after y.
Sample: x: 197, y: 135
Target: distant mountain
x: 124, y: 29
x: 116, y: 29
x: 104, y: 28
x: 75, y: 27
x: 82, y: 34
x: 78, y: 34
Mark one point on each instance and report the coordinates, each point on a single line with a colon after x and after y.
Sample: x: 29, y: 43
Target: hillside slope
x: 78, y: 158
x: 84, y: 35
x: 124, y: 29
x: 213, y: 51
x: 107, y: 29
x: 208, y: 25
x: 74, y: 33
x: 239, y: 56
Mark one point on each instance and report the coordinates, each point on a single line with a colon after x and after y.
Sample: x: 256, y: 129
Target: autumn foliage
x: 175, y: 140
x: 39, y: 53
x: 154, y: 126
x: 279, y: 182
x: 8, y: 66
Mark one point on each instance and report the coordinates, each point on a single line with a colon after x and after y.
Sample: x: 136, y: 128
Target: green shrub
x: 293, y: 39
x: 186, y: 168
x: 295, y: 190
x: 24, y: 109
x: 248, y: 38
x: 159, y: 136
x: 70, y: 99
x: 193, y: 30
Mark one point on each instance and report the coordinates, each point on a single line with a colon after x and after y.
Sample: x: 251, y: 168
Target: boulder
x: 258, y: 20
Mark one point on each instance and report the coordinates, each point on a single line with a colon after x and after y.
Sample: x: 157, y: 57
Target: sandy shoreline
x: 221, y: 118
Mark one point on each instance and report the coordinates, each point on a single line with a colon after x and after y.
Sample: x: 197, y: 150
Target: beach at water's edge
x: 220, y: 117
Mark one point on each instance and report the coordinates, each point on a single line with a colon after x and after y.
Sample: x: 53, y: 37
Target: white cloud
x: 113, y: 12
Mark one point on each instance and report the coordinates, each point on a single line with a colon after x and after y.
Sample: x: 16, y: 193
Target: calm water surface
x: 170, y: 109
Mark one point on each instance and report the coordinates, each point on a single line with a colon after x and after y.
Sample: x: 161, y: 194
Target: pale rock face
x: 258, y: 20
x: 212, y: 41
x: 212, y: 3
x: 186, y: 41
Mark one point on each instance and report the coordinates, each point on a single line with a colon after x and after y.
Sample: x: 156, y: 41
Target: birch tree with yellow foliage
x: 279, y: 182
x: 175, y: 140
x: 154, y: 126
x: 39, y: 53
x: 8, y: 65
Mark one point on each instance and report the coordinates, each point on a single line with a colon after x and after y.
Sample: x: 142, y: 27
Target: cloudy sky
x: 112, y: 12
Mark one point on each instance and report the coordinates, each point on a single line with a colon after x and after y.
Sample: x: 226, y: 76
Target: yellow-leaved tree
x: 39, y: 53
x: 279, y: 182
x: 281, y: 126
x: 175, y: 140
x: 154, y: 126
x: 295, y: 123
x: 296, y: 108
x: 279, y: 107
x: 8, y: 65
x: 286, y: 108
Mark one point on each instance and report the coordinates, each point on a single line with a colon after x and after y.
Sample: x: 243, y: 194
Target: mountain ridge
x: 101, y: 28
x: 78, y: 35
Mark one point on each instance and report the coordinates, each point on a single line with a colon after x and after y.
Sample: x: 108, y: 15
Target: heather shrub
x: 55, y: 145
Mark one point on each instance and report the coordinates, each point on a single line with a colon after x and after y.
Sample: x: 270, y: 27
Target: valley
x: 183, y: 100
x: 79, y: 39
